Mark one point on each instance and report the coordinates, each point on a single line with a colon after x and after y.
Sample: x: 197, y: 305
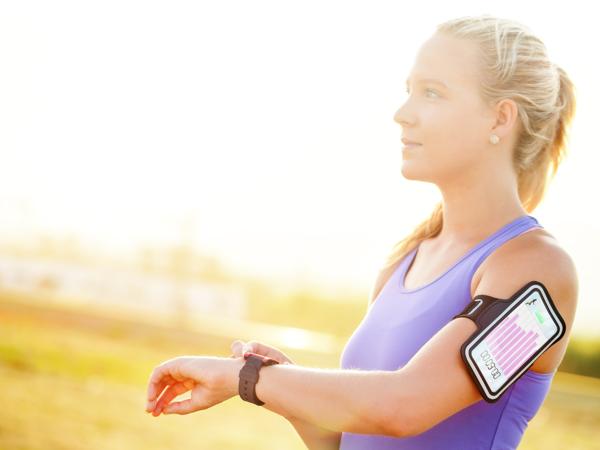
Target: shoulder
x: 534, y: 256
x: 531, y: 254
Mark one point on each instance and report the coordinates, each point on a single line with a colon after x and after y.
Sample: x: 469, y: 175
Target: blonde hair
x: 514, y: 64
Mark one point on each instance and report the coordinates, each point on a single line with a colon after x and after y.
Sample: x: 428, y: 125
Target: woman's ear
x: 507, y: 114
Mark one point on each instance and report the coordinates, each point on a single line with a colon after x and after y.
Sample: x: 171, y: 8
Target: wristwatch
x: 249, y: 376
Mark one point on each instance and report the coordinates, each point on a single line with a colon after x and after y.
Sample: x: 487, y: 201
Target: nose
x: 402, y: 117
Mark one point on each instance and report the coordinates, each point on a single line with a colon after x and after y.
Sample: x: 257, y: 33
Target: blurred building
x: 118, y: 286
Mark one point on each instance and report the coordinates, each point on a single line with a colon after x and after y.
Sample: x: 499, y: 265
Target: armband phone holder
x: 511, y: 334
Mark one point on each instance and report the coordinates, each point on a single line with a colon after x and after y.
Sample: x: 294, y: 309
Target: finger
x: 265, y: 350
x: 255, y: 347
x: 235, y: 344
x: 262, y: 349
x: 161, y: 371
x: 259, y: 349
x: 183, y: 407
x: 172, y: 392
x: 237, y: 347
x: 166, y: 381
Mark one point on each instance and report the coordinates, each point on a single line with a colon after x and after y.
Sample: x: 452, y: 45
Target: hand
x: 240, y: 347
x: 211, y: 380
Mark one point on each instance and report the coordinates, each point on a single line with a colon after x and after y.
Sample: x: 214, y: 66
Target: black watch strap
x: 249, y: 375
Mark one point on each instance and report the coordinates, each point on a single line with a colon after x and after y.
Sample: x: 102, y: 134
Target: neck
x: 473, y: 210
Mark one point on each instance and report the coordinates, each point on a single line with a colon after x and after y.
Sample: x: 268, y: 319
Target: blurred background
x: 177, y: 175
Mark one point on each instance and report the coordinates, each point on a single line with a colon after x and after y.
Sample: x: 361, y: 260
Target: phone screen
x: 511, y: 343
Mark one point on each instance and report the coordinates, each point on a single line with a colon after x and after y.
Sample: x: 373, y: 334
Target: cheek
x: 451, y: 136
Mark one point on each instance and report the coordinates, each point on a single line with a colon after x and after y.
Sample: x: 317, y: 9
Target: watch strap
x: 249, y: 375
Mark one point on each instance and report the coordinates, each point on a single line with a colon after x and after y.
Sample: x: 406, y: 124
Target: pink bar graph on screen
x: 514, y: 336
x: 499, y: 343
x: 503, y: 334
x: 518, y: 355
x: 524, y: 356
x: 503, y: 347
x: 513, y: 351
x: 513, y: 347
x: 501, y: 328
x: 498, y: 331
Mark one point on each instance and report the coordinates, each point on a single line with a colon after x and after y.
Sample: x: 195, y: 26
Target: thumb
x: 236, y: 348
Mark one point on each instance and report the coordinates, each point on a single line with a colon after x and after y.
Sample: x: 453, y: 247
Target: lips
x: 409, y: 142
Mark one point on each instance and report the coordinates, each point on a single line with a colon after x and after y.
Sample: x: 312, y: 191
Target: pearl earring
x: 494, y: 139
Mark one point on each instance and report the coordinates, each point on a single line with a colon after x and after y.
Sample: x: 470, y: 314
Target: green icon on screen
x: 540, y: 318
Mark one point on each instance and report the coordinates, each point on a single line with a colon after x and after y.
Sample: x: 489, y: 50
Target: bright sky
x: 269, y: 123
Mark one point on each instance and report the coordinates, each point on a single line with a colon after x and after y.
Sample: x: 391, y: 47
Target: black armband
x: 511, y: 334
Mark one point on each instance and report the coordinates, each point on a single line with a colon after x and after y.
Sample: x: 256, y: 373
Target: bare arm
x: 434, y: 384
x: 334, y: 399
x: 377, y: 402
x: 315, y: 437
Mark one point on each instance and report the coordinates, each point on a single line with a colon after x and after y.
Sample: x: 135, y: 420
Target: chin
x: 410, y: 173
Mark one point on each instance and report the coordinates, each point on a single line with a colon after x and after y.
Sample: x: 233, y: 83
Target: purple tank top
x: 401, y: 320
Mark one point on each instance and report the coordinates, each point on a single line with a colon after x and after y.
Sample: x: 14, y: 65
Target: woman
x: 486, y: 121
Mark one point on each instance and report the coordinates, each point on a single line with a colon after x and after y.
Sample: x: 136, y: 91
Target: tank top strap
x: 517, y: 227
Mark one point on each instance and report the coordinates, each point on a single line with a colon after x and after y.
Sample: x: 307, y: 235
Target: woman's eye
x: 427, y: 91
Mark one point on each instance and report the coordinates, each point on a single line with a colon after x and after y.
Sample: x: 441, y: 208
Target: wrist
x: 250, y: 374
x: 233, y: 373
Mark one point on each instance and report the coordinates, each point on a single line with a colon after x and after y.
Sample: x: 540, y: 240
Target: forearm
x: 315, y: 437
x: 334, y: 399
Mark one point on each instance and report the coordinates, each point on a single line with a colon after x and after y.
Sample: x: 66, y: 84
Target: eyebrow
x: 430, y: 80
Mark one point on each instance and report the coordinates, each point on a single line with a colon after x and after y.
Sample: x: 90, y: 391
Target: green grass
x: 72, y: 380
x: 69, y: 386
